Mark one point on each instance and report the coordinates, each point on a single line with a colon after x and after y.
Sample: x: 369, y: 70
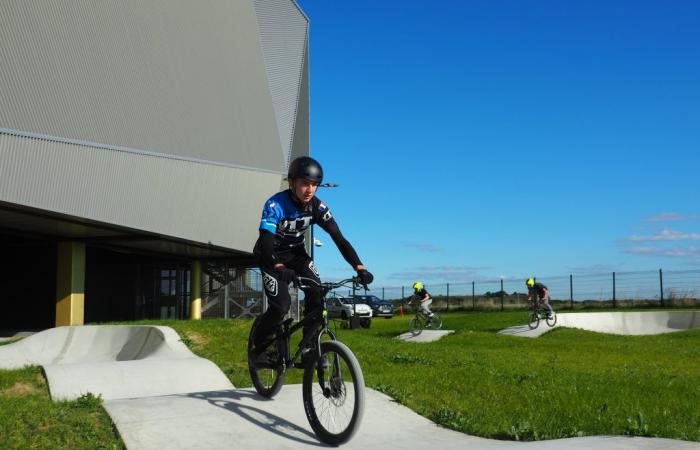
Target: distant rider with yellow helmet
x: 424, y: 298
x: 540, y: 292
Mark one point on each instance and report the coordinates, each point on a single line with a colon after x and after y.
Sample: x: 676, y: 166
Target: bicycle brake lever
x: 357, y: 283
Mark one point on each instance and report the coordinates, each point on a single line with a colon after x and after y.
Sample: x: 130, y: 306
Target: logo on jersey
x: 327, y: 216
x: 295, y: 226
x: 312, y: 266
x: 270, y: 284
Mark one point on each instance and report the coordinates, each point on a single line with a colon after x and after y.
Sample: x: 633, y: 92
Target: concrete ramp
x: 624, y: 323
x: 160, y: 395
x: 116, y: 362
x: 242, y: 419
x: 632, y: 323
x: 424, y: 335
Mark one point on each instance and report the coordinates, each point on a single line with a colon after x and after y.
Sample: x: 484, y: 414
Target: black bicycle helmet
x: 306, y: 168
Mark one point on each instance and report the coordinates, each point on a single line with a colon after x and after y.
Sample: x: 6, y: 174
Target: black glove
x: 286, y: 275
x: 365, y: 277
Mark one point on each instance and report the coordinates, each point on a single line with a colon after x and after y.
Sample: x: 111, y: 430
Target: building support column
x: 196, y: 291
x: 70, y: 284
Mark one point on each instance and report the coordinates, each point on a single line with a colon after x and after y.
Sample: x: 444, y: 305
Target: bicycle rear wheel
x: 534, y: 320
x: 267, y: 379
x: 334, y: 393
x: 436, y: 322
x: 415, y: 325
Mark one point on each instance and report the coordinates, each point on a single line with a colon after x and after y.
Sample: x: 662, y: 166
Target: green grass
x: 30, y: 420
x: 564, y: 384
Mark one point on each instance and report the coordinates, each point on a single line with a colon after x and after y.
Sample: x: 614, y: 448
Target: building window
x: 168, y: 282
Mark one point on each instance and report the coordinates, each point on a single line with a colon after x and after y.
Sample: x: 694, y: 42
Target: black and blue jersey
x: 285, y: 220
x: 288, y: 220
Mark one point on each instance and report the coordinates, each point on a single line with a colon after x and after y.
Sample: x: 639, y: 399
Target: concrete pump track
x: 160, y: 395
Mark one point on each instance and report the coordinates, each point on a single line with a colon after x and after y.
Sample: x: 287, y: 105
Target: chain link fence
x: 613, y: 289
x: 234, y: 292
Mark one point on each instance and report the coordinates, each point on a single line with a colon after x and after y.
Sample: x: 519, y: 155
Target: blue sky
x: 479, y: 139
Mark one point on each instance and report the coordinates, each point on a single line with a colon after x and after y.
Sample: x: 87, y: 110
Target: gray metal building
x: 138, y: 142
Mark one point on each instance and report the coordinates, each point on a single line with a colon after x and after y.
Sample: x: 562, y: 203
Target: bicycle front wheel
x: 436, y: 322
x: 334, y: 393
x: 415, y: 325
x: 534, y: 320
x: 552, y: 320
x: 269, y: 378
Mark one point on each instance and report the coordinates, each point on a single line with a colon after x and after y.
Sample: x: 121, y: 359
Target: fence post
x: 614, y: 301
x: 447, y: 302
x: 571, y: 290
x: 226, y: 291
x: 473, y: 298
x: 501, y: 294
x: 661, y: 286
x: 382, y: 294
x: 402, y: 294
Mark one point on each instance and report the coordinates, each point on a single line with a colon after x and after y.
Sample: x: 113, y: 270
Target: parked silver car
x: 344, y: 307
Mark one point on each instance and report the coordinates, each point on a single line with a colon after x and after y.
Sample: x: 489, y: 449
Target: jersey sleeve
x: 271, y: 216
x: 322, y: 214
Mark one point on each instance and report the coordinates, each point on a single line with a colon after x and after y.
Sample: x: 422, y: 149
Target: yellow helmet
x: 530, y: 282
x: 417, y: 285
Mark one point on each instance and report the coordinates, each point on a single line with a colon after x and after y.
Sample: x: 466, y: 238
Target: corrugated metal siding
x: 183, y: 199
x: 283, y: 34
x: 176, y: 77
x: 300, y: 140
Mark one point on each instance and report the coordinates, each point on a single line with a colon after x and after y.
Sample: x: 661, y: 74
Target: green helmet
x: 530, y: 282
x: 417, y: 285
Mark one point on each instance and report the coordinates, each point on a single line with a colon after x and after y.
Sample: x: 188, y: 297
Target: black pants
x: 278, y: 298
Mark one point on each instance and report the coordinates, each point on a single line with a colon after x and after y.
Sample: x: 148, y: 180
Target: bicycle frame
x: 318, y: 318
x: 538, y: 309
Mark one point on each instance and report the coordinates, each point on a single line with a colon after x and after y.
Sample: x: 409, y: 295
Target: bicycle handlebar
x: 328, y: 286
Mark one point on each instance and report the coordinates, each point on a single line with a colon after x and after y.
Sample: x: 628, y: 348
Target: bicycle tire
x: 267, y: 381
x: 334, y: 397
x: 534, y: 320
x: 552, y: 320
x: 415, y: 325
x: 436, y: 322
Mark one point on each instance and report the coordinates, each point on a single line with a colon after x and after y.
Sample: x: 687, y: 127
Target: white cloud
x: 665, y: 217
x: 671, y: 217
x: 690, y: 251
x: 445, y: 273
x: 594, y: 268
x: 425, y: 247
x: 666, y: 235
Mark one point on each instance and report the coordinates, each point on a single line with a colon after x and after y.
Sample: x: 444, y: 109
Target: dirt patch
x: 196, y: 339
x: 19, y: 389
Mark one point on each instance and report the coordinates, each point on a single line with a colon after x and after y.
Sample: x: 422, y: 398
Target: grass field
x: 30, y: 420
x: 566, y: 383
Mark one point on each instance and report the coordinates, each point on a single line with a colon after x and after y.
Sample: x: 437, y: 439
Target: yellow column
x: 196, y: 291
x: 70, y: 284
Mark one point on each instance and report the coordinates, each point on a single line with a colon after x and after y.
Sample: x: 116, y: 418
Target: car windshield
x: 370, y: 299
x: 346, y: 301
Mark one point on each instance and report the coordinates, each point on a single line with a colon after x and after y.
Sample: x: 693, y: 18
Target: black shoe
x: 266, y: 360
